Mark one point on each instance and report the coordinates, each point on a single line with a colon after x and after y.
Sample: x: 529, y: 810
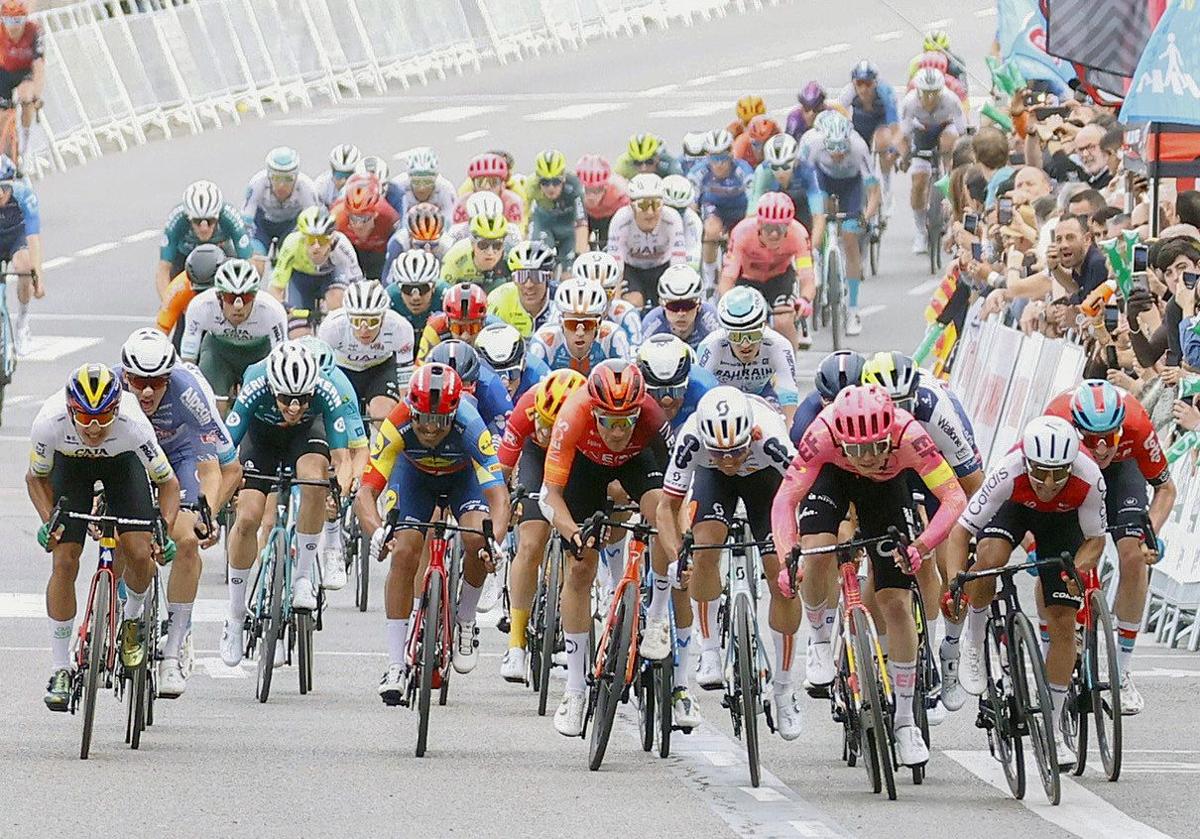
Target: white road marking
x: 307, y: 122
x: 1164, y: 673
x: 888, y: 36
x: 771, y: 63
x: 57, y: 262
x: 577, y: 111
x: 657, y: 91
x: 701, y: 109
x: 28, y: 605
x: 719, y: 758
x: 456, y: 113
x: 940, y: 23
x: 95, y: 249
x: 53, y: 347
x: 764, y: 793
x: 73, y: 316
x: 990, y: 11
x: 1081, y: 812
x: 215, y: 668
x: 732, y: 72
x: 833, y: 49
x: 472, y: 135
x: 925, y: 287
x: 806, y: 54
x: 809, y: 829
x: 141, y: 235
x: 867, y: 311
x: 699, y: 80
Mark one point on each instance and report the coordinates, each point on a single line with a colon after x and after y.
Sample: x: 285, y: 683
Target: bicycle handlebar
x: 1065, y: 561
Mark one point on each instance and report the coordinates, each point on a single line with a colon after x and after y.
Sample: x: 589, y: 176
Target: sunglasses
x: 415, y: 288
x: 342, y: 174
x: 362, y: 218
x: 282, y: 179
x: 720, y: 158
x: 649, y: 162
x: 487, y: 183
x: 435, y: 420
x: 595, y: 190
x: 616, y: 422
x: 1047, y: 475
x: 1107, y: 440
x: 551, y: 181
x: 320, y: 241
x: 649, y: 205
x: 781, y: 167
x: 13, y: 21
x: 575, y: 324
x: 286, y: 400
x: 859, y: 450
x: 365, y: 321
x: 422, y: 181
x: 465, y: 327
x: 773, y: 229
x: 204, y: 222
x: 143, y: 382
x: 101, y: 420
x: 230, y: 298
x: 730, y: 454
x: 746, y: 336
x: 511, y: 374
x: 673, y: 392
x: 523, y: 276
x: 681, y: 306
x: 489, y: 244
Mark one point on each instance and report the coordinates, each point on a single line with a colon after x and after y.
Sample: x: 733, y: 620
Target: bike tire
x: 7, y: 357
x: 362, y: 568
x: 924, y: 680
x: 535, y: 632
x: 153, y: 635
x: 664, y: 685
x: 550, y: 628
x: 646, y: 694
x: 273, y: 626
x: 137, y: 704
x: 1036, y: 705
x: 836, y: 277
x: 97, y: 663
x: 304, y: 655
x: 873, y: 255
x: 608, y: 691
x: 454, y: 574
x: 431, y: 628
x: 874, y: 718
x: 1078, y: 706
x: 745, y: 649
x: 1105, y: 685
x: 1004, y: 718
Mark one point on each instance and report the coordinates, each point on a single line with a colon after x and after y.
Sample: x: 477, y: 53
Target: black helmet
x: 459, y: 355
x: 201, y: 265
x: 839, y: 370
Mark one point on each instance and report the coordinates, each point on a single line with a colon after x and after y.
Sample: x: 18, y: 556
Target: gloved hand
x: 43, y: 537
x: 909, y: 558
x: 376, y: 549
x: 168, y: 550
x: 804, y: 307
x: 785, y: 582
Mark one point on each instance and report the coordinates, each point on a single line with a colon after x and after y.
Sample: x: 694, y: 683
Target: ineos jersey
x: 770, y: 448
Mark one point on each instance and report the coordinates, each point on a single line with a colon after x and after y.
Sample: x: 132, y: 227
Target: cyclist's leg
x: 72, y: 479
x: 466, y: 499
x: 584, y: 494
x: 127, y: 495
x: 309, y: 451
x: 1127, y: 502
x: 851, y: 199
x: 332, y: 293
x: 757, y: 491
x: 533, y: 532
x: 414, y: 496
x: 820, y: 521
x: 713, y: 503
x: 185, y: 569
x: 635, y: 286
x: 711, y: 235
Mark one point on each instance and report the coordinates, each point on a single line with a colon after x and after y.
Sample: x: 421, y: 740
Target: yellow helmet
x: 485, y: 226
x: 550, y: 164
x: 643, y: 147
x: 748, y: 107
x: 93, y: 390
x: 937, y: 41
x: 315, y: 221
x: 553, y: 392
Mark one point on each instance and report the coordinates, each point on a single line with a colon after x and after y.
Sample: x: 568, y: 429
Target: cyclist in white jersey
x: 580, y: 338
x: 342, y: 160
x: 601, y: 267
x: 421, y: 183
x: 275, y: 196
x: 931, y: 119
x: 679, y: 193
x: 645, y: 237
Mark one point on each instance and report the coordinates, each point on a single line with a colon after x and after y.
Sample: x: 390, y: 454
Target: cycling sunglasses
x: 1107, y: 440
x: 435, y: 420
x: 672, y: 392
x: 511, y: 374
x: 616, y: 422
x: 649, y: 162
x: 415, y: 288
x: 745, y: 336
x: 486, y: 183
x: 365, y: 321
x: 730, y: 454
x: 649, y: 205
x: 101, y: 420
x: 1047, y: 475
x: 781, y: 167
x: 680, y: 306
x: 342, y: 174
x: 204, y: 222
x: 720, y: 158
x: 522, y: 276
x: 321, y: 240
x: 422, y: 181
x: 143, y: 382
x: 551, y: 181
x: 465, y: 327
x: 282, y: 178
x: 575, y: 324
x: 362, y: 218
x: 860, y: 450
x: 773, y: 229
x: 230, y: 298
x: 489, y: 244
x: 287, y: 399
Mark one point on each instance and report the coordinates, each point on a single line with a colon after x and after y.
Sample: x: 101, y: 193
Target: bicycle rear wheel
x: 1075, y: 712
x: 1033, y: 698
x: 97, y: 662
x: 876, y: 734
x: 1000, y: 714
x: 646, y: 694
x: 8, y: 355
x: 304, y: 649
x: 1105, y: 681
x: 431, y: 628
x: 550, y: 626
x: 272, y: 623
x: 664, y: 686
x: 746, y: 651
x: 612, y: 681
x: 924, y: 675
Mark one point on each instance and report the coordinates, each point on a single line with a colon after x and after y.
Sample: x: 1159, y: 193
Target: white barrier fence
x: 118, y: 73
x: 1005, y: 378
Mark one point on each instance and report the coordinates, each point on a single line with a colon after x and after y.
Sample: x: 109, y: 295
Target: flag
x: 1165, y: 85
x: 1021, y: 34
x: 1105, y: 35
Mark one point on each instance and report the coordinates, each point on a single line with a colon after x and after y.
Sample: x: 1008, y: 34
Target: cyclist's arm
x: 387, y: 445
x: 235, y: 230
x: 812, y: 453
x: 481, y: 448
x: 193, y: 332
x: 42, y: 439
x: 572, y: 422
x: 732, y: 269
x: 784, y: 365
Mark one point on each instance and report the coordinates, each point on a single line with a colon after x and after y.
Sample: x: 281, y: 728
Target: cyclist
x: 748, y: 354
x: 288, y: 417
x: 931, y: 119
x: 771, y: 253
x: 555, y: 200
x: 672, y: 380
x: 202, y: 218
x: 782, y: 171
x: 180, y: 407
x: 681, y: 312
x: 1120, y: 436
x: 367, y: 220
x: 229, y: 327
x: 580, y: 338
x: 603, y: 194
x: 464, y: 314
x: 938, y: 41
x: 857, y: 452
x: 734, y: 448
x: 523, y: 448
x: 837, y: 371
x: 502, y: 349
x: 872, y: 105
x: 603, y: 268
x: 1046, y: 488
x: 22, y: 63
x: 415, y: 288
x: 275, y: 197
x: 679, y: 195
x: 525, y: 300
x: 342, y: 160
x: 434, y: 444
x: 489, y: 172
x: 611, y: 430
x: 92, y: 432
x: 484, y: 204
x: 199, y: 273
x: 314, y: 266
x: 746, y: 109
x: 722, y: 189
x: 645, y: 237
x: 748, y: 146
x: 810, y: 102
x: 481, y: 387
x: 646, y: 155
x: 20, y: 245
x: 372, y: 345
x: 422, y: 184
x: 423, y: 229
x: 480, y: 258
x: 693, y: 151
x: 845, y: 169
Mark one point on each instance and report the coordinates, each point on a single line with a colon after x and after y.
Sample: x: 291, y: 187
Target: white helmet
x: 1050, y: 441
x: 597, y: 267
x: 834, y: 129
x: 415, y: 267
x: 292, y: 370
x: 718, y: 141
x: 501, y: 346
x: 366, y: 298
x: 580, y: 298
x: 372, y: 164
x: 149, y: 353
x: 780, y: 150
x: 422, y: 161
x: 930, y: 80
x: 724, y: 418
x: 322, y: 352
x: 484, y: 204
x: 678, y: 191
x: 344, y: 158
x: 202, y: 199
x: 665, y: 361
x: 679, y: 282
x: 646, y: 185
x: 283, y: 160
x: 693, y: 143
x: 236, y: 276
x: 742, y: 308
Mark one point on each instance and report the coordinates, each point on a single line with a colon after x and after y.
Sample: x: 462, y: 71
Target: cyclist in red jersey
x: 22, y: 61
x: 1120, y: 436
x: 367, y: 220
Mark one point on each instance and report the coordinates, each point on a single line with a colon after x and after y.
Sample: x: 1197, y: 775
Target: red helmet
x: 488, y: 165
x: 616, y: 386
x: 937, y: 60
x: 362, y: 194
x: 14, y: 8
x: 593, y: 170
x: 761, y: 128
x: 434, y: 389
x: 465, y: 301
x: 776, y: 208
x: 425, y: 222
x: 863, y: 414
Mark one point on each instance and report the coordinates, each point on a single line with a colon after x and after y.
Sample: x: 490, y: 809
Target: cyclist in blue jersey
x: 481, y: 386
x: 21, y: 245
x: 580, y: 338
x: 671, y: 379
x: 722, y: 192
x: 182, y: 410
x: 837, y: 371
x: 782, y: 171
x: 872, y: 106
x: 681, y: 312
x: 502, y: 350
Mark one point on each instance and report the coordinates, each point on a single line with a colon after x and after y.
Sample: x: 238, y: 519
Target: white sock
x: 416, y: 603
x: 397, y: 639
x: 976, y: 624
x: 306, y: 554
x: 468, y: 599
x: 785, y: 647
x: 949, y: 647
x: 904, y: 678
x: 333, y: 534
x: 60, y: 643
x: 710, y: 637
x: 613, y: 557
x: 708, y: 272
x: 237, y: 595
x: 683, y: 640
x: 821, y: 629
x: 577, y: 655
x: 660, y: 596
x: 1058, y: 698
x: 179, y: 618
x: 919, y: 218
x: 134, y: 602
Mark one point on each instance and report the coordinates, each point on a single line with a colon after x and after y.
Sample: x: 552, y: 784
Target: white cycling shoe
x: 910, y: 746
x: 656, y: 640
x: 489, y: 594
x: 1132, y: 702
x: 709, y: 673
x: 232, y: 644
x: 171, y: 681
x: 391, y: 686
x: 465, y: 656
x: 684, y: 712
x: 568, y: 719
x: 787, y: 715
x: 920, y: 242
x: 853, y: 323
x: 953, y: 695
x: 333, y: 569
x: 1066, y: 755
x: 818, y: 666
x: 972, y: 677
x: 304, y: 596
x: 514, y: 664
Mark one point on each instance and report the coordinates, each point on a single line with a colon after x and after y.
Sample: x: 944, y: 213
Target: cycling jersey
x: 418, y: 321
x: 856, y: 163
x: 18, y: 56
x: 53, y: 433
x: 549, y: 344
x: 179, y: 238
x: 770, y: 448
x: 262, y: 205
x: 748, y: 257
x: 797, y: 122
x: 401, y: 241
x: 700, y: 382
x: 772, y: 373
x: 519, y: 428
x: 490, y: 398
x: 340, y: 268
x: 655, y: 323
x: 376, y: 240
x: 802, y: 189
x: 468, y: 445
x: 1139, y: 441
x: 911, y: 449
x: 751, y: 151
x: 614, y: 197
x: 531, y: 375
x: 667, y: 165
x: 915, y: 117
x: 356, y: 432
x: 327, y: 190
x: 567, y: 208
x: 18, y: 219
x: 945, y: 420
x: 444, y: 195
x: 459, y: 267
x: 575, y: 435
x: 514, y: 208
x: 179, y: 295
x: 727, y: 192
x: 256, y: 403
x: 810, y: 406
x: 505, y: 303
x: 693, y: 235
x: 631, y: 245
x: 394, y: 342
x: 267, y: 320
x: 626, y: 315
x: 187, y: 421
x: 867, y: 119
x: 437, y: 329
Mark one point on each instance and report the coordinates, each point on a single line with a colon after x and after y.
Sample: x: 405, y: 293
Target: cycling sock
x: 134, y: 601
x: 683, y: 640
x: 904, y: 678
x: 953, y: 630
x: 306, y: 554
x: 919, y: 218
x: 179, y: 616
x: 612, y: 555
x: 397, y: 639
x: 1126, y: 637
x: 519, y: 619
x: 1058, y: 698
x: 1044, y: 633
x: 854, y: 284
x: 577, y: 653
x: 710, y: 637
x: 785, y: 648
x: 976, y: 622
x: 333, y: 534
x: 468, y: 599
x: 659, y: 598
x: 60, y: 643
x: 237, y: 594
x: 821, y: 628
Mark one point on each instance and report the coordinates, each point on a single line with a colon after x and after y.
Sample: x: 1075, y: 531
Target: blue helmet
x: 742, y: 308
x: 283, y: 160
x: 458, y: 355
x: 864, y: 71
x: 322, y: 352
x: 1097, y: 406
x: 837, y: 371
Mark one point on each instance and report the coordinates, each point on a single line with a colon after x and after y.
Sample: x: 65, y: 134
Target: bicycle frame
x: 439, y: 546
x: 743, y: 566
x: 105, y: 576
x: 285, y: 497
x: 632, y: 576
x: 852, y: 602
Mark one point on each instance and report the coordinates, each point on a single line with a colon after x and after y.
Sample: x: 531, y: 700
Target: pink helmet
x: 776, y: 208
x: 863, y: 414
x: 936, y: 60
x: 593, y: 170
x: 488, y: 166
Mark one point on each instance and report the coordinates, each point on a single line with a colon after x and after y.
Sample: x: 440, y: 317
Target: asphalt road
x: 337, y: 761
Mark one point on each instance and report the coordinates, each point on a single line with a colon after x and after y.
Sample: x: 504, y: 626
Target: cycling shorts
x: 530, y: 468
x: 378, y: 380
x: 1055, y: 533
x: 779, y: 291
x: 559, y: 235
x: 306, y: 291
x: 644, y: 281
x: 587, y: 487
x: 715, y: 497
x: 1127, y: 498
x: 599, y: 228
x: 849, y: 192
x: 265, y: 231
x: 224, y: 363
x: 12, y: 241
x: 371, y: 263
x: 267, y: 447
x: 11, y: 79
x: 187, y: 469
x: 415, y: 494
x: 729, y: 212
x: 126, y: 491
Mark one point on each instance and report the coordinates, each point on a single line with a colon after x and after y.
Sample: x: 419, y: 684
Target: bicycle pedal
x: 817, y: 691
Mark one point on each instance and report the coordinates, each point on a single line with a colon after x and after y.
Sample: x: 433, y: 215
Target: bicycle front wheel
x: 454, y: 572
x: 664, y: 686
x: 550, y: 626
x: 876, y: 733
x: 646, y: 693
x: 1000, y: 714
x: 835, y: 280
x: 272, y: 623
x: 746, y: 651
x: 1033, y: 699
x: 612, y: 681
x: 431, y: 629
x: 97, y: 662
x: 362, y: 566
x: 1105, y: 683
x: 304, y: 649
